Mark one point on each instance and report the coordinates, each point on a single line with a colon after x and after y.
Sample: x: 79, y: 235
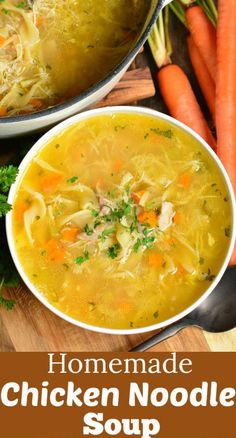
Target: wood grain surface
x: 30, y: 326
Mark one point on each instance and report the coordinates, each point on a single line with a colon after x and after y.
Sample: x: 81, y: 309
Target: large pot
x: 23, y: 124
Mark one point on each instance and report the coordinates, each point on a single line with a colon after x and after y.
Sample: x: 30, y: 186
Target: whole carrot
x: 226, y: 89
x: 180, y: 99
x: 203, y: 76
x: 204, y: 36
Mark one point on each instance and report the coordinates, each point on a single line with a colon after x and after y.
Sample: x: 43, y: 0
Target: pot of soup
x: 122, y: 220
x: 59, y: 57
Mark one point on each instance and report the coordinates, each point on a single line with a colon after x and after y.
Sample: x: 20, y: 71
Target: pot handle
x: 165, y: 3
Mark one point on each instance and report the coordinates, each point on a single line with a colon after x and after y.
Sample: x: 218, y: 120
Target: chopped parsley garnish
x: 92, y: 306
x: 23, y: 5
x: 146, y: 136
x: 148, y: 241
x: 201, y: 261
x: 119, y: 127
x: 7, y: 304
x: 5, y: 11
x: 106, y: 233
x: 156, y: 314
x: 72, y: 180
x: 7, y: 177
x: 164, y: 133
x: 4, y: 206
x: 94, y: 213
x: 87, y: 230
x: 227, y: 232
x: 97, y: 223
x: 113, y: 251
x: 82, y: 259
x: 209, y: 276
x: 137, y: 245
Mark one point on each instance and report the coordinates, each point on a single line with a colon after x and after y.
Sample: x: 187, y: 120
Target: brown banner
x: 164, y: 395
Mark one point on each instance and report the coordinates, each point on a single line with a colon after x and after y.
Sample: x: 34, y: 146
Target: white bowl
x: 55, y: 131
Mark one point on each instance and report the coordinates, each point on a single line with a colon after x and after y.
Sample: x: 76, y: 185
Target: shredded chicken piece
x: 166, y: 216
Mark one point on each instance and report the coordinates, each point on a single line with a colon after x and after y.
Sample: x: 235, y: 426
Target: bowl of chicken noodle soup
x: 122, y: 220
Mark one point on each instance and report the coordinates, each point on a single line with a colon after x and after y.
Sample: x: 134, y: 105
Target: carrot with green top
x: 201, y: 69
x: 174, y: 85
x: 226, y: 90
x: 203, y: 76
x: 204, y: 36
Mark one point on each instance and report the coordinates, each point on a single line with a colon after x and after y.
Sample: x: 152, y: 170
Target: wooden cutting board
x: 31, y: 327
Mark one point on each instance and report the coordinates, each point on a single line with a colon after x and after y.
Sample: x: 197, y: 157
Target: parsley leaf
x: 72, y: 180
x: 23, y: 5
x: 106, y: 233
x: 7, y: 177
x: 209, y: 276
x: 82, y: 259
x: 137, y: 245
x: 113, y: 251
x: 167, y: 133
x: 94, y: 213
x: 4, y: 206
x: 87, y: 230
x: 7, y: 304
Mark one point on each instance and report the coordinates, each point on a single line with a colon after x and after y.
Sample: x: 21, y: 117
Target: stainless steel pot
x: 30, y: 123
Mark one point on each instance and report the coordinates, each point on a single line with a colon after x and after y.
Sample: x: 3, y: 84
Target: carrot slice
x: 69, y: 234
x: 180, y: 269
x: 148, y: 217
x: 177, y: 218
x: 2, y: 40
x: 3, y: 111
x: 19, y: 209
x: 49, y: 182
x: 185, y: 180
x: 125, y: 306
x: 137, y: 196
x: 36, y: 103
x: 55, y: 250
x: 117, y: 165
x: 155, y: 260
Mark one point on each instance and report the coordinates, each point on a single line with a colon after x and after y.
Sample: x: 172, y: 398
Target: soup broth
x: 59, y: 48
x: 122, y: 221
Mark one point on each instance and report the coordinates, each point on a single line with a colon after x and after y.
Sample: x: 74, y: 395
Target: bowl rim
x: 98, y: 85
x: 43, y: 141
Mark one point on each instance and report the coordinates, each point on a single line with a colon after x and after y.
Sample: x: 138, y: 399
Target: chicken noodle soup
x: 122, y: 221
x: 59, y: 48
